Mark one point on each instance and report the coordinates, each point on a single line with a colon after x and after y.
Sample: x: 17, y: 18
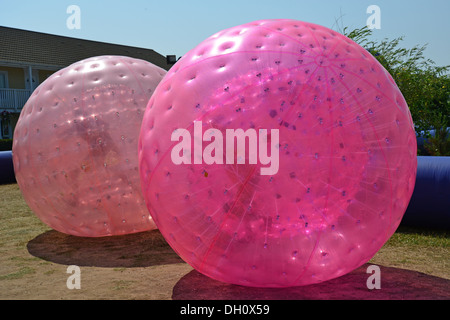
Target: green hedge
x: 5, y: 144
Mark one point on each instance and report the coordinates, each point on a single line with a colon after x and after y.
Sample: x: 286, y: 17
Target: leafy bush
x: 425, y: 86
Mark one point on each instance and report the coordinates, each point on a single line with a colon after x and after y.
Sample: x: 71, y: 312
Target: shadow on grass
x: 142, y: 249
x: 396, y: 284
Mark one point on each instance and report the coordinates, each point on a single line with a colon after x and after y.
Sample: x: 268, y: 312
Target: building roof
x: 36, y: 48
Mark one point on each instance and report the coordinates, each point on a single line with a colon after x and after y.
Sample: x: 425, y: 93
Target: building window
x: 4, y: 79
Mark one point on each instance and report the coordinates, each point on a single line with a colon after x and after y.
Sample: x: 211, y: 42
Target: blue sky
x: 175, y: 27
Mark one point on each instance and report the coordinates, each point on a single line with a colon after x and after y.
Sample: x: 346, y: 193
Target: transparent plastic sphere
x: 277, y: 153
x: 75, y: 146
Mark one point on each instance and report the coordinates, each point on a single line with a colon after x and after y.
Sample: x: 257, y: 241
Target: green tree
x: 425, y: 86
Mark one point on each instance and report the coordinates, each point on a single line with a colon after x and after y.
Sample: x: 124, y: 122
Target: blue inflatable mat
x: 430, y: 202
x: 6, y: 168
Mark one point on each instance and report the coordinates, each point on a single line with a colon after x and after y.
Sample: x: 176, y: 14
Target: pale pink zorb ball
x: 75, y: 146
x: 277, y: 153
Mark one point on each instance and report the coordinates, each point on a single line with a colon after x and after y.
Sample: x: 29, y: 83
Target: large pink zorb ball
x: 75, y: 146
x: 277, y: 153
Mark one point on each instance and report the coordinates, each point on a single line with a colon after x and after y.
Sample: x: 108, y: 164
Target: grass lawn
x: 34, y: 258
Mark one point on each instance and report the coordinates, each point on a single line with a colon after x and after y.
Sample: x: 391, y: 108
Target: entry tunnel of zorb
x: 346, y: 148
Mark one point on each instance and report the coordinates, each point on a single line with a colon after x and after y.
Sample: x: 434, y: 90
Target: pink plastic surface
x: 75, y: 146
x: 347, y: 155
